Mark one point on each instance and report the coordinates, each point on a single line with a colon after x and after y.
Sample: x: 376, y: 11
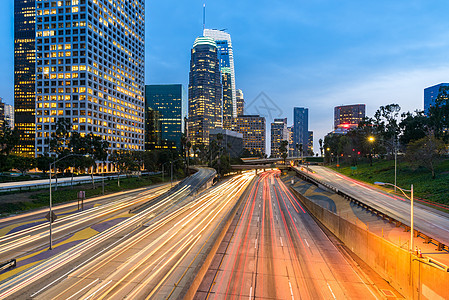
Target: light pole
x: 51, y: 211
x: 371, y: 140
x: 411, y: 206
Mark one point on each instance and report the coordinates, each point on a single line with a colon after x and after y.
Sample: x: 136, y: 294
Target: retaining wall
x: 413, y: 277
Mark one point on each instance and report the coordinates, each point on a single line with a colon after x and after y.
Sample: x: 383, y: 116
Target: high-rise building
x: 227, y: 98
x: 301, y: 127
x: 153, y: 134
x: 347, y: 117
x: 168, y: 101
x: 90, y: 67
x: 310, y: 142
x: 279, y: 133
x: 240, y: 103
x: 253, y: 128
x: 24, y: 73
x: 226, y: 59
x: 9, y: 115
x: 205, y: 91
x: 431, y: 94
x: 291, y: 142
x: 231, y: 142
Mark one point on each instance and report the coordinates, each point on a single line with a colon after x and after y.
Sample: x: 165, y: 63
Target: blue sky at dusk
x: 315, y: 54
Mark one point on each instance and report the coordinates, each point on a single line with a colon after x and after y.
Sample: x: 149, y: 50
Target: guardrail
x: 383, y: 214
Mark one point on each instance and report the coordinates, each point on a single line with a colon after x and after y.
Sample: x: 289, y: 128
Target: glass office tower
x: 301, y: 128
x: 90, y: 70
x: 168, y: 101
x: 279, y: 133
x: 431, y: 94
x: 24, y: 75
x: 226, y: 59
x: 205, y: 91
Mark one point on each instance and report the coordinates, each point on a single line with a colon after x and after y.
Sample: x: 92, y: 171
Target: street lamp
x: 171, y: 173
x: 51, y: 211
x: 371, y: 140
x: 411, y: 206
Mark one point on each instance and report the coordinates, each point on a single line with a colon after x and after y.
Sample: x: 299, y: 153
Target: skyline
x: 311, y: 55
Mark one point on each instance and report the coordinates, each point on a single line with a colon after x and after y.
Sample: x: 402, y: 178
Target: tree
x: 414, y: 126
x: 43, y: 163
x: 426, y: 152
x: 283, y: 149
x: 122, y: 161
x: 320, y: 141
x: 24, y: 164
x: 9, y: 138
x: 386, y: 124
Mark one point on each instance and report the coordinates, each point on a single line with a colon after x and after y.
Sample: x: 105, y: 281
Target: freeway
x: 142, y: 256
x: 277, y: 251
x: 430, y: 221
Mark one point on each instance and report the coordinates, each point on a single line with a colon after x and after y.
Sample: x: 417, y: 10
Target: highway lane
x: 277, y: 251
x: 427, y: 220
x: 22, y: 242
x: 159, y: 260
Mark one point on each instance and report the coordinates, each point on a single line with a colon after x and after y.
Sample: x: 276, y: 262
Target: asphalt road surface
x: 277, y: 251
x: 430, y: 221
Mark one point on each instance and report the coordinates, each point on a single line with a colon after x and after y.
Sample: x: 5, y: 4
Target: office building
x: 431, y: 94
x: 232, y: 141
x: 205, y: 91
x: 240, y: 103
x: 301, y: 128
x: 9, y: 115
x: 24, y: 74
x: 226, y: 59
x: 310, y: 143
x: 168, y: 101
x: 90, y: 70
x: 279, y: 133
x: 291, y: 143
x: 348, y: 117
x: 153, y: 133
x: 253, y: 128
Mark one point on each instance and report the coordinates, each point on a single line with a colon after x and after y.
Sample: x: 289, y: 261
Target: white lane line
x: 306, y: 243
x: 291, y: 290
x: 255, y: 243
x: 331, y: 291
x: 80, y: 291
x: 257, y: 219
x: 81, y: 264
x: 101, y: 287
x: 250, y: 292
x: 282, y: 244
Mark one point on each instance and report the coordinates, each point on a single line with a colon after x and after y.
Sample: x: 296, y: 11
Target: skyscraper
x: 279, y: 133
x: 205, y: 91
x: 253, y: 128
x: 348, y: 116
x: 301, y: 127
x: 168, y: 101
x: 24, y: 74
x: 310, y: 142
x: 226, y: 59
x: 431, y: 94
x: 240, y: 103
x: 90, y: 57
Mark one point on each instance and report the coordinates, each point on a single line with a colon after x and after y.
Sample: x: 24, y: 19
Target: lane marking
x: 80, y: 291
x: 281, y: 241
x: 255, y: 243
x: 306, y: 243
x: 250, y: 292
x: 291, y: 290
x: 101, y: 287
x: 331, y: 290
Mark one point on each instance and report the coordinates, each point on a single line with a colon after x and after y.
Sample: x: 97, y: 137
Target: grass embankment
x: 434, y: 190
x: 67, y: 194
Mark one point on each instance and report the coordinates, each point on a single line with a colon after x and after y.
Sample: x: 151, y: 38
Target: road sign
x: 53, y: 215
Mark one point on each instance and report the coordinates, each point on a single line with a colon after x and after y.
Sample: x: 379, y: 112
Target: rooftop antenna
x: 204, y: 16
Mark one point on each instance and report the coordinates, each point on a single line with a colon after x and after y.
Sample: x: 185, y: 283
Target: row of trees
x: 423, y: 138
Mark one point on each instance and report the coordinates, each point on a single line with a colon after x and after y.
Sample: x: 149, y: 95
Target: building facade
x: 153, y: 132
x: 253, y: 128
x: 431, y: 94
x: 240, y: 103
x: 90, y: 69
x: 232, y: 141
x: 24, y: 74
x: 347, y: 117
x: 9, y: 115
x: 205, y: 91
x: 226, y: 59
x: 291, y: 143
x: 167, y: 100
x: 279, y: 133
x: 301, y: 128
x: 310, y: 143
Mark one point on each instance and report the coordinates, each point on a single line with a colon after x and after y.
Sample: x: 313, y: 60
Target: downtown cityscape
x: 146, y: 154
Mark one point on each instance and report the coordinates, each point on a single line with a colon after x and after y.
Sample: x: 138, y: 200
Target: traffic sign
x: 53, y: 216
